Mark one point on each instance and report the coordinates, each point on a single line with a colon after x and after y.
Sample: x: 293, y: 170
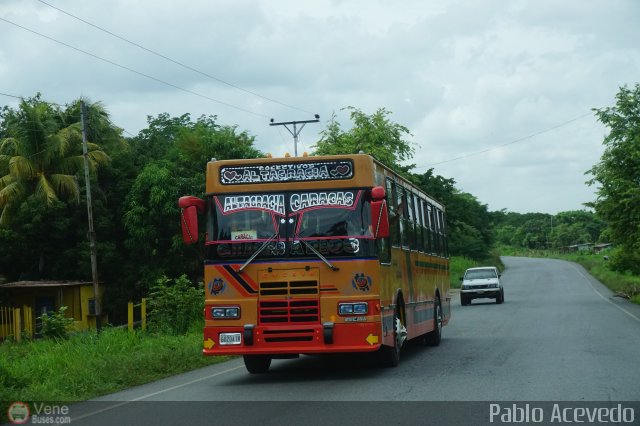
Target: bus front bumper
x: 293, y: 339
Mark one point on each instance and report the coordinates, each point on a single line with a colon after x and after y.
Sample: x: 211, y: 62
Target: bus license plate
x: 230, y: 339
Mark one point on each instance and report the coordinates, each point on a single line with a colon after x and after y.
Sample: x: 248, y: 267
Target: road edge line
x: 604, y: 298
x: 140, y: 398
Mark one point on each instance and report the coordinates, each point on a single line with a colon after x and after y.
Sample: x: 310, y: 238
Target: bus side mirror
x: 379, y: 213
x: 190, y: 206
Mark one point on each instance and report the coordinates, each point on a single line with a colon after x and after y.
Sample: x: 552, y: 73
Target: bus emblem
x: 216, y: 286
x: 361, y: 282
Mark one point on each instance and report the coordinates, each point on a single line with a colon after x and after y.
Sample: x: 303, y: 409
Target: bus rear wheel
x: 434, y: 337
x: 257, y: 364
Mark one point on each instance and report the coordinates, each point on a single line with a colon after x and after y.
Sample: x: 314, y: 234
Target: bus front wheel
x: 390, y: 355
x: 257, y: 364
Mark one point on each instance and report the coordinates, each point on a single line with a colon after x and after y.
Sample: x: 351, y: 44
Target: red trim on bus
x: 237, y: 285
x: 302, y: 339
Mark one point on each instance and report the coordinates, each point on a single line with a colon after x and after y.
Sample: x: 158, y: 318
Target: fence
x: 14, y: 322
x: 143, y: 314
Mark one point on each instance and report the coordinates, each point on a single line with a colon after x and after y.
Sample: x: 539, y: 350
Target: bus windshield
x: 331, y: 221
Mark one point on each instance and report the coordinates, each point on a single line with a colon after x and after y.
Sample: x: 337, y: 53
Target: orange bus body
x: 288, y: 305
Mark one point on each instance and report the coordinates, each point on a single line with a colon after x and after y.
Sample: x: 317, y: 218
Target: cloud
x: 463, y: 76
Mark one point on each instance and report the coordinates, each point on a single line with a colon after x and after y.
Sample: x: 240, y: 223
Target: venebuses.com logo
x: 18, y: 413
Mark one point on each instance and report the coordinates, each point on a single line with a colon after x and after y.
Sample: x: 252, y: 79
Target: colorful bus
x: 315, y: 255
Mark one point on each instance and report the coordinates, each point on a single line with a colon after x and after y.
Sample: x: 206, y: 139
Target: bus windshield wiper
x: 260, y: 249
x: 317, y: 253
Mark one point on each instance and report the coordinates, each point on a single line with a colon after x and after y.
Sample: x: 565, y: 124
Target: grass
x: 89, y: 365
x: 623, y: 284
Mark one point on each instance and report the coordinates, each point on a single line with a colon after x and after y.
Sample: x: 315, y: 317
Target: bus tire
x: 257, y: 364
x: 433, y: 338
x: 390, y: 355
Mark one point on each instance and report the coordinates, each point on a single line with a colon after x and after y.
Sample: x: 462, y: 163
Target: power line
x: 507, y: 143
x: 135, y: 71
x: 153, y: 52
x: 11, y: 96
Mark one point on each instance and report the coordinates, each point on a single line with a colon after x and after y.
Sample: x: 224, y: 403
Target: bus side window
x: 438, y: 232
x: 419, y: 223
x: 441, y: 233
x: 432, y: 231
x: 411, y: 222
x: 394, y: 219
x: 444, y: 235
x: 401, y: 211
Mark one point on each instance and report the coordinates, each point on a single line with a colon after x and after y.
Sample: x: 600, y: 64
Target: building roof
x: 602, y: 245
x: 44, y: 283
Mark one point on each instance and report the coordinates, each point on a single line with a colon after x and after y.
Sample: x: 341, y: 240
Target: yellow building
x: 47, y: 296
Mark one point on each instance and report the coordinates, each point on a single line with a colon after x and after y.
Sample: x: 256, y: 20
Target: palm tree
x: 41, y: 157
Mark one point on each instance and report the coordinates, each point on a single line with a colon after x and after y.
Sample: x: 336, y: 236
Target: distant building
x: 577, y: 247
x: 602, y: 246
x: 583, y: 247
x: 40, y: 297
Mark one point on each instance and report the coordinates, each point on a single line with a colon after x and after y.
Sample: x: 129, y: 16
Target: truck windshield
x: 334, y: 222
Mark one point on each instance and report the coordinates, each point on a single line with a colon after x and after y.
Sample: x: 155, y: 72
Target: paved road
x: 559, y: 336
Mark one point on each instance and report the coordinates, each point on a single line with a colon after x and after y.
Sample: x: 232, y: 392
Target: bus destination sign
x: 287, y: 172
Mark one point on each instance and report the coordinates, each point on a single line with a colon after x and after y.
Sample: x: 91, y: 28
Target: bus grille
x: 298, y: 335
x: 288, y: 288
x: 297, y: 311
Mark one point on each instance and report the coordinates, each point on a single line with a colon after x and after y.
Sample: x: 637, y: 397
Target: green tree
x: 541, y: 230
x: 373, y: 134
x: 618, y: 176
x: 438, y: 187
x: 151, y: 213
x: 41, y: 156
x: 469, y: 223
x: 585, y: 226
x: 155, y: 141
x: 175, y: 305
x: 41, y: 165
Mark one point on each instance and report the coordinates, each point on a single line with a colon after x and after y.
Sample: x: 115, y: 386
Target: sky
x: 497, y: 95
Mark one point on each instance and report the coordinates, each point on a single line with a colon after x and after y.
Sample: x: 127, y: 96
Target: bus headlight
x: 357, y: 308
x: 225, y: 312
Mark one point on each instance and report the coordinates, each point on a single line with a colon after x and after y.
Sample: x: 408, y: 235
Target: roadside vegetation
x: 624, y: 284
x: 88, y: 365
x: 73, y: 367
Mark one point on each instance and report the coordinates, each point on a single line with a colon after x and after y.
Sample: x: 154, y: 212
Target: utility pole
x: 295, y: 131
x: 91, y: 233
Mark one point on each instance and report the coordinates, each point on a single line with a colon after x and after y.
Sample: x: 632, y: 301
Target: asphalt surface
x: 559, y: 336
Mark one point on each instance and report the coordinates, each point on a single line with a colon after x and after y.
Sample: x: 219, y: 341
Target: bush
x: 625, y: 259
x: 55, y: 325
x: 174, y: 305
